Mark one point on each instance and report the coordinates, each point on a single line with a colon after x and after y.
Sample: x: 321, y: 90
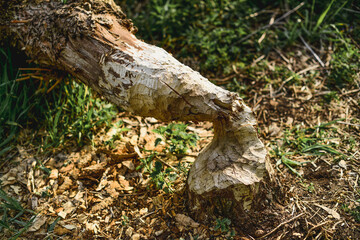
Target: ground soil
x: 99, y: 192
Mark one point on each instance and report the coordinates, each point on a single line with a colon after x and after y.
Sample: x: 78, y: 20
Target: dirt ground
x: 97, y: 192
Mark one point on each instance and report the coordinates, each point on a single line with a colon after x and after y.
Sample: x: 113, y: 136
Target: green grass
x: 216, y: 33
x: 16, y: 99
x: 311, y: 141
x: 69, y: 113
x: 14, y: 218
x: 72, y: 114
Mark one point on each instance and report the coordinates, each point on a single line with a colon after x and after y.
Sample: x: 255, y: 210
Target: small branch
x: 351, y: 124
x: 350, y: 92
x: 34, y: 69
x: 21, y: 21
x: 280, y: 225
x: 314, y: 227
x: 312, y: 52
x: 271, y: 24
x: 298, y: 73
x: 165, y: 163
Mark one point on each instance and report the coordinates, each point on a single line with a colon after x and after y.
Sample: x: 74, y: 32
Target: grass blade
x: 323, y: 15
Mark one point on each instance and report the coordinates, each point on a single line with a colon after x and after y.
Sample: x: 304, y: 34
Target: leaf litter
x: 102, y: 192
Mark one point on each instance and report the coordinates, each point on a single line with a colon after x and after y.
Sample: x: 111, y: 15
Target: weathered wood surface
x: 93, y: 41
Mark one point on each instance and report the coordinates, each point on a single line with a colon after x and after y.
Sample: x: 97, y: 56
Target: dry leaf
x: 136, y: 236
x: 124, y: 183
x: 129, y: 164
x: 329, y: 211
x: 103, y: 181
x: 54, y: 174
x: 95, y: 169
x: 69, y: 227
x: 67, y: 168
x: 9, y: 177
x: 67, y: 208
x: 39, y: 221
x: 342, y: 164
x: 185, y: 221
x: 92, y: 227
x: 134, y: 140
x: 67, y: 184
x: 17, y: 189
x: 274, y: 129
x: 129, y: 231
x: 112, y: 187
x: 103, y: 204
x: 143, y: 211
x: 59, y: 230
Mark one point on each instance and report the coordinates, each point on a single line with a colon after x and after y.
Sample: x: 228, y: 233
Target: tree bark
x: 94, y: 41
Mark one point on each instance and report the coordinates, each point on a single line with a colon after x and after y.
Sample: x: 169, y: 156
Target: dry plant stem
x: 280, y: 225
x: 94, y: 42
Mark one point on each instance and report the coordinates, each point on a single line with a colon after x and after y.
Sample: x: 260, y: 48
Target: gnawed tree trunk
x: 93, y: 41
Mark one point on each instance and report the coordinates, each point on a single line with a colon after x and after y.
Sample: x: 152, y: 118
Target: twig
x: 165, y: 163
x: 312, y: 51
x: 351, y: 124
x: 350, y: 92
x: 298, y: 73
x: 280, y: 225
x: 21, y: 21
x: 34, y: 69
x: 224, y: 79
x: 271, y: 24
x: 314, y: 227
x: 22, y: 79
x: 53, y: 86
x: 150, y: 213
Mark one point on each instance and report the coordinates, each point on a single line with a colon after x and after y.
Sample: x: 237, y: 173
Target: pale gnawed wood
x: 99, y: 48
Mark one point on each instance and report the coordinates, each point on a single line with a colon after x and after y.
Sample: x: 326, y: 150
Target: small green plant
x: 291, y: 164
x: 51, y: 226
x: 305, y: 141
x: 162, y: 177
x: 223, y: 224
x: 333, y: 95
x: 112, y: 142
x: 309, y: 187
x: 124, y: 220
x: 178, y: 139
x: 345, y: 61
x: 356, y: 214
x: 15, y: 218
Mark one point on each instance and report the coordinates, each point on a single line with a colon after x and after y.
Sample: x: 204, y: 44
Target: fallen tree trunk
x: 94, y: 41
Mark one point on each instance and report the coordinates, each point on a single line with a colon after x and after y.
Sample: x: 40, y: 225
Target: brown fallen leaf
x: 103, y: 204
x: 112, y: 187
x: 67, y: 168
x: 94, y: 170
x: 183, y: 221
x: 9, y: 177
x: 59, y: 230
x: 54, y: 174
x: 39, y: 221
x: 68, y: 207
x: 67, y: 184
x: 330, y: 211
x: 129, y: 164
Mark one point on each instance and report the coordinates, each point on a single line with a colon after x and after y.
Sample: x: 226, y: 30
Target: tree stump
x: 94, y: 41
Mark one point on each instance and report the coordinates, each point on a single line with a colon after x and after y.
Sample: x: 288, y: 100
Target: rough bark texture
x: 93, y: 41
